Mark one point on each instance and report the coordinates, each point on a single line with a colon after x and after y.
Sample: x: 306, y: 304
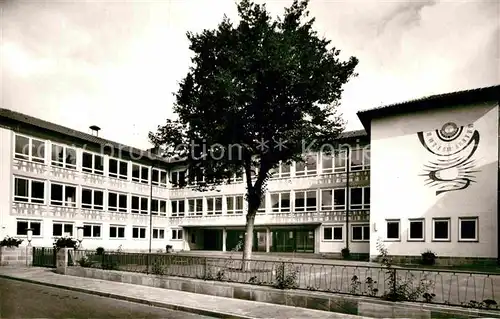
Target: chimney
x: 95, y: 130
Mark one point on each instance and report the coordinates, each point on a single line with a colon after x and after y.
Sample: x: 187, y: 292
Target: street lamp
x: 29, y: 235
x: 79, y: 236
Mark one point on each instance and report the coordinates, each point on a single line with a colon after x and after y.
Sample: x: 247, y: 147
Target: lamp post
x: 79, y: 236
x: 29, y: 236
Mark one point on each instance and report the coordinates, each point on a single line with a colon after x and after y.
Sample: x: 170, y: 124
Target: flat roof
x: 472, y: 96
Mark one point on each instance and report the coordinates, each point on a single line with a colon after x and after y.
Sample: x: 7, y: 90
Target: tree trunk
x: 247, y: 248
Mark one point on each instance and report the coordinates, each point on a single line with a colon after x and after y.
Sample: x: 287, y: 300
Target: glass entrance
x: 293, y: 240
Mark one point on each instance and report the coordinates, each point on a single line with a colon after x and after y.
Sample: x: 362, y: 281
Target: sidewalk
x: 172, y: 299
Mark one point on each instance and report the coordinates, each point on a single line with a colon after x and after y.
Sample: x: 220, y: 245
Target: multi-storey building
x: 55, y: 179
x: 431, y: 164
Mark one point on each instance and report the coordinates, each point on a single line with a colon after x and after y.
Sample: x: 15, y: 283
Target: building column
x: 224, y: 237
x: 268, y: 240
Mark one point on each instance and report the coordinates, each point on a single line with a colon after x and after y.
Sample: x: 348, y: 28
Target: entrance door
x: 212, y: 239
x: 305, y: 241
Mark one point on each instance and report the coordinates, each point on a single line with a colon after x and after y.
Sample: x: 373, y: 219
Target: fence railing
x: 460, y: 288
x: 44, y: 257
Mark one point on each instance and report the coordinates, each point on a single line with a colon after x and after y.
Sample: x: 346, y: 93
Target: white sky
x: 115, y: 64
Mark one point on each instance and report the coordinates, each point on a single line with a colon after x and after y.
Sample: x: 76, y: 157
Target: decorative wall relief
x: 453, y: 167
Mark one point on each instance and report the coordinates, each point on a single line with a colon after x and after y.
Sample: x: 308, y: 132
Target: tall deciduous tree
x: 259, y: 93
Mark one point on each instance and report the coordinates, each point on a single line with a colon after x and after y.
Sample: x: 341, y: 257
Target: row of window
x: 441, y: 229
x: 60, y: 229
x: 32, y: 149
x: 33, y: 191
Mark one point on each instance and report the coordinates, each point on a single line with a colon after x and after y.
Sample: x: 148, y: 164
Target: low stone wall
x: 10, y: 256
x: 362, y: 306
x: 440, y: 261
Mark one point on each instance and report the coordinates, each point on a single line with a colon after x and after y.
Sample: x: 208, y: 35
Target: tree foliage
x: 259, y: 92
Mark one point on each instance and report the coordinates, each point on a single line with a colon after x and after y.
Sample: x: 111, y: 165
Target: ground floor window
x: 139, y: 232
x: 176, y: 234
x: 441, y: 229
x: 468, y: 229
x: 24, y: 225
x: 360, y: 232
x: 392, y: 230
x: 62, y: 229
x: 158, y: 233
x: 92, y: 231
x: 116, y: 231
x: 416, y: 230
x: 332, y: 233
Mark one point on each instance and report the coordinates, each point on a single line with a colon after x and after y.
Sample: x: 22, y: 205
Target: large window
x: 92, y: 199
x: 280, y: 202
x: 360, y: 232
x: 360, y: 198
x: 24, y: 225
x: 177, y: 234
x: 393, y: 229
x: 92, y: 231
x: 140, y: 205
x: 234, y: 204
x: 159, y: 206
x: 441, y: 229
x: 140, y: 174
x: 468, y: 229
x: 282, y: 171
x: 29, y: 149
x: 116, y: 231
x: 195, y: 207
x: 63, y: 156
x: 117, y: 202
x: 92, y: 163
x: 360, y: 159
x: 158, y: 233
x: 308, y: 167
x: 305, y: 201
x: 29, y: 190
x: 118, y: 169
x: 333, y: 233
x: 416, y: 230
x: 159, y: 177
x: 333, y: 199
x: 138, y: 232
x: 62, y: 195
x: 214, y: 205
x: 60, y: 229
x: 177, y: 177
x: 333, y: 163
x: 178, y: 207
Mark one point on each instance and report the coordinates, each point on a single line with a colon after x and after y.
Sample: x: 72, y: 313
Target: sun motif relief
x: 452, y: 147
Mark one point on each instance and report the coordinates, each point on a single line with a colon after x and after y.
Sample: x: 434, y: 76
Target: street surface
x: 25, y: 300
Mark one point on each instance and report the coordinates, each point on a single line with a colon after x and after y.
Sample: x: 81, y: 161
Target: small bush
x: 346, y: 253
x: 65, y: 242
x: 428, y: 258
x: 10, y: 242
x: 286, y: 276
x: 85, y: 262
x: 99, y: 251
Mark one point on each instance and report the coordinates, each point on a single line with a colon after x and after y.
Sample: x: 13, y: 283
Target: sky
x: 117, y: 63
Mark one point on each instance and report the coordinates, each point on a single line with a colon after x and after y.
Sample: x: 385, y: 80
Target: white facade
x: 40, y: 189
x: 422, y: 199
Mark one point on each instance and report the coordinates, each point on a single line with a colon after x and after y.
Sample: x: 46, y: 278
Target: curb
x: 171, y: 306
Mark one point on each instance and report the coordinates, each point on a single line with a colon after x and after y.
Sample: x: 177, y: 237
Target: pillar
x: 62, y: 260
x: 268, y: 240
x: 224, y: 237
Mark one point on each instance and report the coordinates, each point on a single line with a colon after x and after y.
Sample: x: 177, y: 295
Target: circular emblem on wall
x: 449, y: 131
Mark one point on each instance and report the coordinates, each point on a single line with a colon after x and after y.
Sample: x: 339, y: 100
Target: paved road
x: 25, y: 300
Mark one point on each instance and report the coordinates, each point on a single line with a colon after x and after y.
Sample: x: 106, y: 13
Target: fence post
x: 394, y: 283
x: 147, y: 264
x: 205, y: 274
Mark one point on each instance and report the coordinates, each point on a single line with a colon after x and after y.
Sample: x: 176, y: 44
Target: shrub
x: 346, y: 253
x: 286, y: 276
x: 428, y: 258
x: 99, y: 251
x: 65, y: 242
x: 10, y: 242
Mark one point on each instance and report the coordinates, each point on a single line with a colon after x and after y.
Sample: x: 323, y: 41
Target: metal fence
x: 44, y: 257
x: 477, y: 290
